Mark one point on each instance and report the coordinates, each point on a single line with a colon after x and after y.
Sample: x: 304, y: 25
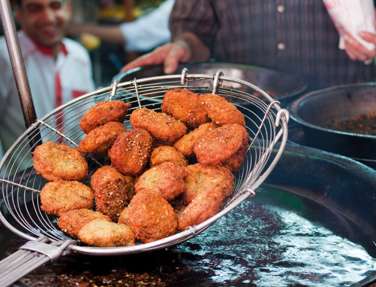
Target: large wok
x: 316, y: 111
x: 283, y: 87
x: 311, y: 224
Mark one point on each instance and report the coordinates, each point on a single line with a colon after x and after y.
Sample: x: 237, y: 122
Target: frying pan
x: 316, y: 111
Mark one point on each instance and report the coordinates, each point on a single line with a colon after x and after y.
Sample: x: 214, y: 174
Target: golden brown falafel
x: 111, y: 190
x: 103, y: 233
x: 161, y: 126
x: 166, y: 153
x: 72, y: 221
x: 131, y: 151
x: 186, y: 143
x: 103, y: 112
x: 185, y: 105
x: 203, y: 206
x: 59, y: 162
x: 100, y: 139
x: 206, y: 177
x: 60, y: 196
x: 150, y: 216
x: 167, y: 179
x: 221, y: 111
x: 220, y: 144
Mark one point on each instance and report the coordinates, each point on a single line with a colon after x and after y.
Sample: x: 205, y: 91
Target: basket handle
x: 29, y: 257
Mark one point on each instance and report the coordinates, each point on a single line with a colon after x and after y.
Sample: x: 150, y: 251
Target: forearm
x: 198, y: 50
x: 111, y: 34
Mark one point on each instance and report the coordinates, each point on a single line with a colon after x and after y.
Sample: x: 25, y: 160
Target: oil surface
x: 274, y: 239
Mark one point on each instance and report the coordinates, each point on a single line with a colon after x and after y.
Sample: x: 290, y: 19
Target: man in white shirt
x: 58, y: 69
x: 141, y: 35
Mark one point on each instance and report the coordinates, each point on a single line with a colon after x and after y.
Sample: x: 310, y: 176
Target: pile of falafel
x: 171, y: 170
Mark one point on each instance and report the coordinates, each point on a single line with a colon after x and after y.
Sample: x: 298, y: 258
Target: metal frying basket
x: 20, y: 211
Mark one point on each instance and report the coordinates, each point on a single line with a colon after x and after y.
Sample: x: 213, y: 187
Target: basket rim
x: 181, y: 235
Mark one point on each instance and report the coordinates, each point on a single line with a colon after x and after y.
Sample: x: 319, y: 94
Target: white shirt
x: 150, y: 30
x: 52, y: 82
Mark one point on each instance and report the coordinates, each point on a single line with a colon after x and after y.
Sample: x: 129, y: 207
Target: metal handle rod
x: 30, y: 256
x: 17, y: 63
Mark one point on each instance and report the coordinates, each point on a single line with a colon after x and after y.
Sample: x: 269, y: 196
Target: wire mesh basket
x: 20, y: 211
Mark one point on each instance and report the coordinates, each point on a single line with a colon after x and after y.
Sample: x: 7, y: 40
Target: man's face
x: 43, y: 20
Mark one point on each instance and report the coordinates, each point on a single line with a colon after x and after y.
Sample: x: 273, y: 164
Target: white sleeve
x: 150, y: 30
x: 87, y: 71
x: 81, y: 58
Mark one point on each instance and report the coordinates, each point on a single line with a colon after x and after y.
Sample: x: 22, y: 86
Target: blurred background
x: 108, y: 58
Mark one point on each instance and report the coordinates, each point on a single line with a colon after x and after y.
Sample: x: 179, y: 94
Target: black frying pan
x: 316, y: 112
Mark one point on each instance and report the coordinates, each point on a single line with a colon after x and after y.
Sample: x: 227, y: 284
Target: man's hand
x: 170, y: 55
x: 356, y: 51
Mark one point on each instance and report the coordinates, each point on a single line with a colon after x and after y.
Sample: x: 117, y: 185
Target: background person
x: 58, y: 68
x: 140, y: 35
x: 289, y: 36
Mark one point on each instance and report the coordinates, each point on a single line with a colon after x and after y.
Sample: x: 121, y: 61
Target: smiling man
x: 58, y: 68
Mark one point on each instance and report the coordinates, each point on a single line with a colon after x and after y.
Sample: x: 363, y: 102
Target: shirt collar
x: 49, y: 51
x: 28, y: 44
